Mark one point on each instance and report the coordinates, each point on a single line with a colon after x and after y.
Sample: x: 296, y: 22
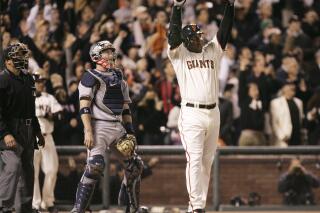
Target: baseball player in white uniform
x: 196, y: 64
x: 46, y: 158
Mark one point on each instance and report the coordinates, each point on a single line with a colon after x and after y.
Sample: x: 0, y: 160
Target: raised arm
x: 175, y: 27
x: 226, y: 24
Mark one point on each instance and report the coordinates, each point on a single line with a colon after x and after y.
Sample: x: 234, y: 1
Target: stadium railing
x: 165, y: 150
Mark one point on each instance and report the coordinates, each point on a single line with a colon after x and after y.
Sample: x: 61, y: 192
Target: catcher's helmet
x: 97, y: 48
x: 19, y: 54
x: 192, y: 37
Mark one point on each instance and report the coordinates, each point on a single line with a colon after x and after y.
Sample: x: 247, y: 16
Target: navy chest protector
x: 113, y: 94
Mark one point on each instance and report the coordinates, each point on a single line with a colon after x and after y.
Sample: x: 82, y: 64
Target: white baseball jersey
x: 44, y: 104
x: 197, y: 73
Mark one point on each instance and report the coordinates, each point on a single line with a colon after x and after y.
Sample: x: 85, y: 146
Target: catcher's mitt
x: 126, y: 145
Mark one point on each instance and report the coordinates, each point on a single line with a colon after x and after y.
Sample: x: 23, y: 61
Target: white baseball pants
x: 47, y: 159
x: 199, y: 130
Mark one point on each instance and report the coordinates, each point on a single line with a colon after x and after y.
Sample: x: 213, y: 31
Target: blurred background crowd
x: 269, y: 76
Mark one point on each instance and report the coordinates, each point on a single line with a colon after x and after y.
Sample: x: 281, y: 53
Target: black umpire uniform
x: 17, y: 118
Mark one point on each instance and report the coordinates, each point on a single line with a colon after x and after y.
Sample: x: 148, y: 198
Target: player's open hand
x: 88, y: 139
x: 10, y: 141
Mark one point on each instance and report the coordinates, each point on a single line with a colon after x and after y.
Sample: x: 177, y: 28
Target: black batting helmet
x: 189, y: 33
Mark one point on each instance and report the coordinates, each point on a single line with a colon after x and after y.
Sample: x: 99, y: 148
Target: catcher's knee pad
x: 130, y: 188
x: 126, y: 145
x: 95, y: 167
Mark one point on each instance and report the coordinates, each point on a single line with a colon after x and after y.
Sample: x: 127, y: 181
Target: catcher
x: 105, y: 113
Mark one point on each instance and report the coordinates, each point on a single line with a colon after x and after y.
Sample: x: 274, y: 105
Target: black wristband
x: 85, y: 110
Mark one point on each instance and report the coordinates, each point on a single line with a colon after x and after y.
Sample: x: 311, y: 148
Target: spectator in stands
x: 313, y: 118
x: 227, y: 61
x: 311, y: 24
x: 265, y: 12
x: 261, y: 38
x: 202, y: 19
x: 150, y: 119
x: 173, y: 136
x: 260, y: 74
x: 252, y: 116
x: 167, y: 88
x: 226, y: 117
x: 295, y: 37
x: 246, y: 23
x: 290, y: 73
x: 313, y: 73
x: 296, y: 185
x: 143, y: 74
x: 286, y: 117
x: 273, y: 47
x: 173, y: 117
x: 68, y: 131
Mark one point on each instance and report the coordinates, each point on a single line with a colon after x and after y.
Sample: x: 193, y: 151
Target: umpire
x: 19, y: 128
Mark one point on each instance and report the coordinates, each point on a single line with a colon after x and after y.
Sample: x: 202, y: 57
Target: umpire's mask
x: 19, y: 54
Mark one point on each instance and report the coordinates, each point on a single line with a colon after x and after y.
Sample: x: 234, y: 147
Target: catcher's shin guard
x: 130, y: 188
x: 83, y: 196
x: 87, y: 183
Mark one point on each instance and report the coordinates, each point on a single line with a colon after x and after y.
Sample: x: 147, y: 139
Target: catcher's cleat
x: 143, y: 209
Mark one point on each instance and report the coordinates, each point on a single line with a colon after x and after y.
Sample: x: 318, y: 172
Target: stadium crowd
x: 269, y: 76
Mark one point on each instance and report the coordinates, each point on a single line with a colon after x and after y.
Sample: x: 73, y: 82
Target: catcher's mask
x: 126, y: 145
x: 103, y: 53
x: 19, y: 54
x: 192, y: 38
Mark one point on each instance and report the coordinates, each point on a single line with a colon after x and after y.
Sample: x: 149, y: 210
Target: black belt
x: 201, y: 106
x: 113, y: 121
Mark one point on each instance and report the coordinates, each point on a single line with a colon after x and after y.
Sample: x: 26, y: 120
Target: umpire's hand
x: 88, y: 139
x: 10, y: 141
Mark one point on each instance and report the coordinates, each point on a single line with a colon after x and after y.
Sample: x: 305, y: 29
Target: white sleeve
x: 31, y: 20
x: 175, y: 53
x: 55, y: 106
x: 216, y: 46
